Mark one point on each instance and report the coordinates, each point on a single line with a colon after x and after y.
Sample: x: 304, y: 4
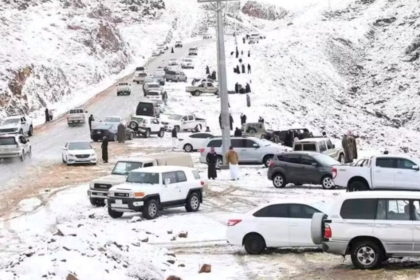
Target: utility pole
x: 221, y: 74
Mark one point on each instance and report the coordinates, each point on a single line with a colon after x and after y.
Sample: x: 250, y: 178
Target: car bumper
x: 126, y: 204
x: 233, y: 237
x: 10, y: 154
x: 94, y: 193
x: 335, y: 247
x: 75, y: 121
x: 7, y: 133
x: 74, y: 160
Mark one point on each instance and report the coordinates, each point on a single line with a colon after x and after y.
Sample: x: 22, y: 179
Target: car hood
x: 9, y: 126
x: 111, y: 179
x: 146, y: 188
x: 82, y: 152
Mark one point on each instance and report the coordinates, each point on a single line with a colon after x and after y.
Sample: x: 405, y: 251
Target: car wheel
x: 147, y: 134
x: 97, y: 202
x: 318, y: 228
x: 357, y: 186
x: 150, y: 209
x: 31, y: 131
x: 188, y: 148
x: 62, y: 158
x: 327, y: 182
x: 193, y: 202
x: 267, y: 159
x: 254, y: 244
x: 279, y: 181
x: 367, y: 254
x: 115, y: 138
x: 22, y: 157
x: 341, y: 159
x: 252, y: 131
x: 114, y: 214
x: 197, y: 93
x: 161, y: 133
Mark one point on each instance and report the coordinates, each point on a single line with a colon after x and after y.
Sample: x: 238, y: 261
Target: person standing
x: 232, y: 159
x: 242, y: 52
x: 247, y: 88
x: 238, y: 71
x: 220, y: 121
x: 238, y: 132
x: 104, y: 147
x: 213, y: 75
x: 243, y: 68
x: 243, y: 119
x: 207, y: 70
x: 243, y: 40
x: 174, y: 138
x: 47, y: 115
x: 172, y: 50
x: 121, y: 133
x: 237, y: 88
x: 211, y: 164
x: 90, y: 120
x: 349, y: 145
x: 231, y: 121
x: 249, y: 68
x: 237, y: 52
x: 249, y: 53
x: 248, y: 100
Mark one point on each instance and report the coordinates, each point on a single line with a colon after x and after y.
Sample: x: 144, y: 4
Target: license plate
x: 118, y: 201
x: 98, y: 132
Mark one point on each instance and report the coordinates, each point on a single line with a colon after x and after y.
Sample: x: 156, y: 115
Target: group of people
x: 232, y: 158
x: 212, y: 75
x: 240, y: 89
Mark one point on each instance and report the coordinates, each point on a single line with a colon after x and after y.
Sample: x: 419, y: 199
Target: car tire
x: 327, y: 182
x: 150, y: 209
x: 147, y: 134
x: 279, y: 181
x: 188, y: 148
x: 161, y: 133
x: 30, y: 152
x: 114, y: 214
x: 252, y: 131
x: 62, y: 158
x: 31, y: 131
x: 317, y: 228
x: 97, y: 202
x: 367, y: 254
x: 254, y: 244
x: 267, y: 159
x: 357, y: 186
x: 341, y: 158
x: 193, y: 202
x: 197, y: 93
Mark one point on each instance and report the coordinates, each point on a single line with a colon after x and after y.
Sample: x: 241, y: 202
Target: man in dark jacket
x: 220, y: 120
x: 236, y: 87
x: 247, y: 88
x: 261, y: 120
x: 90, y: 120
x: 213, y: 75
x: 243, y: 119
x: 248, y: 100
x: 237, y: 52
x: 104, y: 147
x: 242, y: 52
x: 172, y: 50
x: 231, y: 121
x: 238, y: 71
x: 243, y: 40
x: 47, y: 115
x: 121, y: 133
x: 249, y: 68
x: 243, y: 68
x: 211, y: 159
x: 207, y: 70
x: 174, y: 138
x: 249, y: 53
x: 238, y: 132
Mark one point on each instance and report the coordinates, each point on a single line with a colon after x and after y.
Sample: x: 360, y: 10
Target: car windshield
x: 142, y: 75
x: 143, y: 178
x: 7, y: 141
x: 10, y: 121
x: 153, y: 86
x: 175, y: 117
x: 123, y: 167
x: 153, y: 93
x: 325, y: 160
x: 80, y: 146
x: 112, y: 119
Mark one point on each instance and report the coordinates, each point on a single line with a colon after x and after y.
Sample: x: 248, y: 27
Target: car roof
x: 159, y: 169
x: 382, y: 194
x: 134, y: 159
x: 14, y: 117
x: 315, y: 204
x: 308, y: 153
x: 311, y: 140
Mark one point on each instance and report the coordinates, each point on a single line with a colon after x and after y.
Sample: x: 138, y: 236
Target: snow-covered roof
x: 159, y: 169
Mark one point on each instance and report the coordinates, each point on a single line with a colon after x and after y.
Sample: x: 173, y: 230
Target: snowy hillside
x: 60, y: 51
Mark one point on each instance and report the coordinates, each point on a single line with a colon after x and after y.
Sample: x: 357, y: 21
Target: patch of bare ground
x: 49, y: 176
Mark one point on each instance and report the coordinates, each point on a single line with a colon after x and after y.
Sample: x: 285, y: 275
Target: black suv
x: 302, y: 168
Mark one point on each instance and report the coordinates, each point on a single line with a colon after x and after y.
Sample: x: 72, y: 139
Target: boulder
x: 183, y: 234
x: 205, y: 268
x: 172, y: 277
x: 71, y: 276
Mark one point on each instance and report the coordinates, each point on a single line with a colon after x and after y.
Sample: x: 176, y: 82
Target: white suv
x: 14, y: 146
x: 151, y: 189
x: 370, y: 227
x: 146, y: 126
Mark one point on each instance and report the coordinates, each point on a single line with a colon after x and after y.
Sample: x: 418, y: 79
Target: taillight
x: 272, y: 163
x: 202, y: 183
x: 334, y: 172
x: 232, y: 223
x: 327, y: 232
x: 202, y: 150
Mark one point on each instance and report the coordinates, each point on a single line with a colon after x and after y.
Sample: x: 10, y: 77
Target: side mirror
x: 415, y: 167
x: 167, y: 181
x: 255, y: 146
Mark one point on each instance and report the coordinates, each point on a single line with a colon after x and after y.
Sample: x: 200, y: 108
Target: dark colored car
x: 148, y: 108
x: 109, y: 130
x: 302, y: 168
x: 279, y: 136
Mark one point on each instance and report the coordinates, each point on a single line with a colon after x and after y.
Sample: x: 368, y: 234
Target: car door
x: 171, y: 191
x: 383, y: 173
x: 309, y: 172
x: 293, y: 168
x: 416, y: 225
x: 393, y: 225
x: 323, y: 147
x: 239, y: 146
x: 184, y: 185
x: 155, y: 126
x: 407, y: 175
x: 272, y: 223
x: 300, y: 218
x: 252, y: 151
x: 24, y: 125
x: 191, y: 122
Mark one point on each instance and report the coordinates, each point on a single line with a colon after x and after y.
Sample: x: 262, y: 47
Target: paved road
x: 48, y: 141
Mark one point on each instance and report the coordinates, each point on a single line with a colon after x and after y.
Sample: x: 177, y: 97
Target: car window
x: 169, y: 175
x: 7, y: 140
x: 301, y: 211
x: 298, y: 147
x: 385, y: 162
x: 309, y: 147
x: 184, y: 118
x: 329, y: 145
x: 123, y: 167
x: 307, y: 160
x: 149, y: 164
x: 322, y: 146
x: 293, y: 159
x: 273, y: 211
x: 403, y: 163
x: 416, y: 212
x: 282, y: 157
x: 215, y: 143
x: 143, y: 178
x: 181, y: 176
x: 396, y: 210
x: 190, y: 117
x: 238, y: 143
x: 250, y: 143
x: 196, y: 175
x: 359, y: 209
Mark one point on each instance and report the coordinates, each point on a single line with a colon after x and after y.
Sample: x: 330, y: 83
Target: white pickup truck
x: 76, y: 116
x: 320, y: 145
x: 17, y: 125
x: 183, y: 122
x: 386, y: 172
x: 205, y: 87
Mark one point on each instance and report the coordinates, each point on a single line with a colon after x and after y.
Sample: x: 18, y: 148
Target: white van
x: 98, y: 189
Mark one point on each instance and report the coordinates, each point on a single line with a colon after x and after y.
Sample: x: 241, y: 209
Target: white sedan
x: 274, y: 225
x: 79, y: 153
x: 193, y: 142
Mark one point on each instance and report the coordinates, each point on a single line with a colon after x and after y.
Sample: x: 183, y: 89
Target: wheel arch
x: 360, y: 179
x: 152, y: 196
x: 200, y: 193
x: 357, y: 239
x: 278, y: 171
x: 251, y: 233
x: 266, y: 155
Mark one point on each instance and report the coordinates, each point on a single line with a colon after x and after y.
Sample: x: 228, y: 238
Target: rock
x: 59, y: 233
x: 91, y: 216
x: 65, y: 248
x: 71, y: 276
x: 171, y: 261
x: 63, y: 260
x: 384, y: 21
x: 170, y: 231
x: 171, y: 254
x: 29, y: 254
x: 145, y: 239
x: 290, y: 23
x: 136, y: 244
x: 205, y: 268
x: 101, y: 249
x: 181, y: 265
x: 172, y: 277
x: 79, y: 225
x: 183, y: 234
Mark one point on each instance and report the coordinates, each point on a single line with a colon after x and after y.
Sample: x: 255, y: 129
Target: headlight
x: 93, y: 155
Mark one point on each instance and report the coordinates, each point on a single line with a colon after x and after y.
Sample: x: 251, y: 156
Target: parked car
x: 123, y: 89
x: 146, y: 126
x: 17, y: 125
x: 175, y: 76
x: 98, y: 188
x: 159, y: 77
x: 78, y: 153
x: 279, y: 136
x: 249, y: 149
x: 14, y: 145
x: 187, y: 63
x: 155, y: 53
x: 151, y: 189
x: 274, y: 225
x: 255, y: 129
x: 147, y: 107
x: 302, y: 168
x: 203, y: 88
x: 140, y: 77
x: 154, y: 95
x: 110, y: 130
x: 381, y: 172
x: 178, y: 44
x: 320, y: 145
x: 183, y: 122
x: 371, y: 227
x: 193, y: 142
x: 76, y: 116
x: 257, y: 36
x: 193, y: 51
x: 155, y: 86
